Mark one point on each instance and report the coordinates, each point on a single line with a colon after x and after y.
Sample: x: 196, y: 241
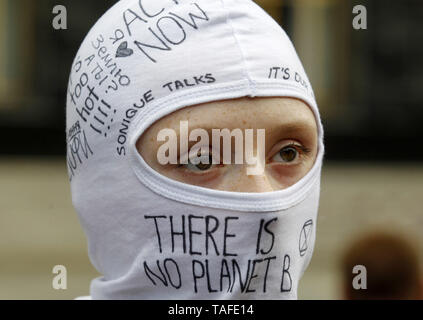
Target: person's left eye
x: 289, y: 154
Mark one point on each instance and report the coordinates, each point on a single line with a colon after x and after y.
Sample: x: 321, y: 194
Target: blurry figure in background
x: 392, y: 268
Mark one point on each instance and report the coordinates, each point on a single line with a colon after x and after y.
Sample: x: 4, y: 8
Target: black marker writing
x: 166, y: 277
x: 226, y: 236
x: 78, y: 148
x: 126, y: 121
x: 286, y: 282
x: 282, y: 72
x: 108, y: 70
x: 194, y: 81
x: 181, y: 233
x: 265, y: 225
x: 192, y: 232
x: 163, y: 34
x: 157, y: 228
x: 194, y: 235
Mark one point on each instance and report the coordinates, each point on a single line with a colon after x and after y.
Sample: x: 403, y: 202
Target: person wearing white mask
x: 190, y: 230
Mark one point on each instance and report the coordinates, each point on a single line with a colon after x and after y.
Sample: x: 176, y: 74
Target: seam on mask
x: 221, y: 89
x: 275, y: 205
x: 192, y: 93
x: 160, y: 187
x: 178, y: 97
x: 282, y: 205
x: 269, y: 205
x: 154, y: 181
x: 245, y: 70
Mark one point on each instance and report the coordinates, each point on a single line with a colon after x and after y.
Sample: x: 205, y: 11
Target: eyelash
x: 302, y: 150
x: 210, y: 153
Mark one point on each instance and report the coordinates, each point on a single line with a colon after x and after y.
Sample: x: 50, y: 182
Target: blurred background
x: 368, y: 85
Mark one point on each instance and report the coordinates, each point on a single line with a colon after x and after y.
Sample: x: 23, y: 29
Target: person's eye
x: 201, y: 162
x: 204, y: 163
x: 290, y: 154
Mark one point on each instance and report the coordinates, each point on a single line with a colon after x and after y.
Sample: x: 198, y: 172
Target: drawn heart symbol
x: 123, y: 51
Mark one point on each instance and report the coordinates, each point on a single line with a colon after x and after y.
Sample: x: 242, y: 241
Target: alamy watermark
x: 360, y: 20
x: 60, y: 20
x: 200, y: 151
x: 60, y: 280
x: 360, y: 280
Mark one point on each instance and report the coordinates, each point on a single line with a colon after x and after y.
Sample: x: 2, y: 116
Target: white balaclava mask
x: 152, y: 237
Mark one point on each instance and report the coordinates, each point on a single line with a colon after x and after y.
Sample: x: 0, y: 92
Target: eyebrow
x: 286, y: 128
x: 297, y: 126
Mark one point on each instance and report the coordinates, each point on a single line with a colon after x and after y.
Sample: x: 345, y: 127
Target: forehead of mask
x: 289, y: 126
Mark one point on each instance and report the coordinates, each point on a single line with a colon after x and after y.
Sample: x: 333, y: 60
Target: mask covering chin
x: 155, y: 238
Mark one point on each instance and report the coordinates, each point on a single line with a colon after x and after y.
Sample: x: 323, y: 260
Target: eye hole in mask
x: 290, y: 145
